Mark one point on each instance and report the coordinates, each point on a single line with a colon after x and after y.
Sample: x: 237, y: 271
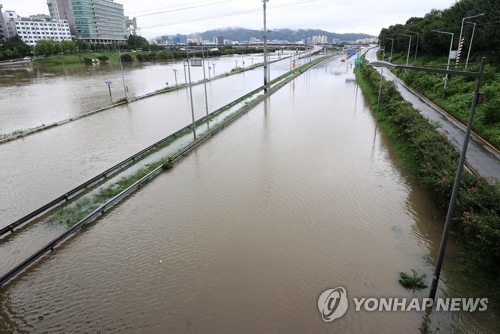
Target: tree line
x: 15, y: 48
x: 486, y: 35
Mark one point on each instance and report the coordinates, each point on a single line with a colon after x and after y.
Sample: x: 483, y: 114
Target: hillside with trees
x: 433, y: 49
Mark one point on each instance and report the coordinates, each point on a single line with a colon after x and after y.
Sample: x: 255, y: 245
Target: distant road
x: 483, y: 158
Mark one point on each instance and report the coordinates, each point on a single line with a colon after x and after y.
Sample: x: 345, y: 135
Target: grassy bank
x: 78, y: 58
x: 457, y: 98
x: 433, y: 160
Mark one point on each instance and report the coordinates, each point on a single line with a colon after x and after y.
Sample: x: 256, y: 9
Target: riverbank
x: 433, y: 161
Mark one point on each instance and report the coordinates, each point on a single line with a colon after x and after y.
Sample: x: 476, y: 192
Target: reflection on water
x: 246, y: 232
x: 49, y: 94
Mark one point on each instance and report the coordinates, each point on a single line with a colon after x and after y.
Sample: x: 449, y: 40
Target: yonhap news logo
x: 333, y: 304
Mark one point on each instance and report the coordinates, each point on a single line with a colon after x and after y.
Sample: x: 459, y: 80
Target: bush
x: 126, y: 57
x: 103, y: 59
x: 434, y: 160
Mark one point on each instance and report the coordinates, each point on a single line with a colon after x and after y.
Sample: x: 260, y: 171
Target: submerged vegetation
x: 72, y: 214
x: 414, y: 282
x: 434, y: 161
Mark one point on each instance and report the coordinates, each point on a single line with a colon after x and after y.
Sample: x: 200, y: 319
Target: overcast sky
x: 339, y: 16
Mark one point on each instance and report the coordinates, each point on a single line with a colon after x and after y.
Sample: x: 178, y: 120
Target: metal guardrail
x: 177, y: 156
x: 111, y: 171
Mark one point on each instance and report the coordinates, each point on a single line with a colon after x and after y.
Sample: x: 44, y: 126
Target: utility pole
x: 125, y: 89
x: 265, y: 46
x: 175, y: 74
x: 190, y: 89
x: 204, y: 78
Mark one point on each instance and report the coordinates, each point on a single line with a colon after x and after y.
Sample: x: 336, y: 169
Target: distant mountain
x: 241, y: 34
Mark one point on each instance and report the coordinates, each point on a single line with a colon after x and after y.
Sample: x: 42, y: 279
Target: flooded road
x: 300, y: 195
x: 41, y: 167
x: 49, y: 94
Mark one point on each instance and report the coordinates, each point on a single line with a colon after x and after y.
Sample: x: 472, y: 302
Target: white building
x: 41, y: 27
x: 196, y: 39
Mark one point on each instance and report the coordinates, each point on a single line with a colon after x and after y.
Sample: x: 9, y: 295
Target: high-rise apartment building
x: 94, y: 21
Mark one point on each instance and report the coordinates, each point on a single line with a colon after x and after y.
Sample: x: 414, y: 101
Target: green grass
x: 77, y: 58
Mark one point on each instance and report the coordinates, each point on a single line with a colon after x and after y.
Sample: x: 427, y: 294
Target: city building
x: 10, y: 28
x: 196, y: 39
x: 41, y: 27
x: 219, y: 40
x: 3, y: 27
x: 131, y: 26
x: 94, y: 21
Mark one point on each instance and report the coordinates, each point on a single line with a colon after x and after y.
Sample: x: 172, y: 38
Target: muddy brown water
x: 300, y: 195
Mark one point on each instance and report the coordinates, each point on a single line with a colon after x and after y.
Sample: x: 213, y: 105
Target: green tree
x: 137, y: 42
x: 126, y: 57
x: 68, y: 46
x: 103, y: 59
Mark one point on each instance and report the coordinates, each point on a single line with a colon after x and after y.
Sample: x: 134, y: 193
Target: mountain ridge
x: 291, y: 35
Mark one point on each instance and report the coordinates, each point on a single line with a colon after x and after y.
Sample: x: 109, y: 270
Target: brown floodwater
x: 300, y: 195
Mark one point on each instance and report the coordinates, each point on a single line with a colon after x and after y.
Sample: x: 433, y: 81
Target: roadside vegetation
x: 137, y: 48
x: 433, y: 50
x: 433, y: 159
x: 457, y: 98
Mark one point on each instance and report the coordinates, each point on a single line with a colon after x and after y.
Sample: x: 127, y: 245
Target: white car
x: 27, y: 58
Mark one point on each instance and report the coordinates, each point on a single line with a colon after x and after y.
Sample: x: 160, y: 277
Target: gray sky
x: 339, y: 16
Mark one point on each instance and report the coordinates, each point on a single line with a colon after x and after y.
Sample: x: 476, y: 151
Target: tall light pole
x: 109, y: 82
x: 175, y: 74
x: 123, y: 77
x: 392, y: 47
x: 185, y: 75
x: 462, y: 27
x: 265, y: 45
x: 380, y: 82
x: 204, y: 79
x: 458, y: 176
x: 470, y: 44
x: 409, y: 45
x: 416, y: 46
x: 190, y: 89
x: 449, y: 56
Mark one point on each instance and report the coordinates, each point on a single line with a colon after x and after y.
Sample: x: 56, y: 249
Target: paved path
x: 484, y: 158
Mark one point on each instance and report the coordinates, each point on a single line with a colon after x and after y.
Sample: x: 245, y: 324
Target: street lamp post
x: 462, y: 26
x: 470, y: 44
x: 185, y: 75
x: 125, y: 89
x: 175, y: 74
x: 458, y: 176
x: 449, y: 57
x: 265, y: 46
x: 392, y: 47
x: 380, y: 82
x: 204, y: 79
x: 109, y: 82
x: 416, y: 46
x: 190, y: 90
x: 409, y: 45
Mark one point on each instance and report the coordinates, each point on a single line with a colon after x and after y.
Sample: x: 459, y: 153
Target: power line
x: 240, y: 12
x: 193, y: 5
